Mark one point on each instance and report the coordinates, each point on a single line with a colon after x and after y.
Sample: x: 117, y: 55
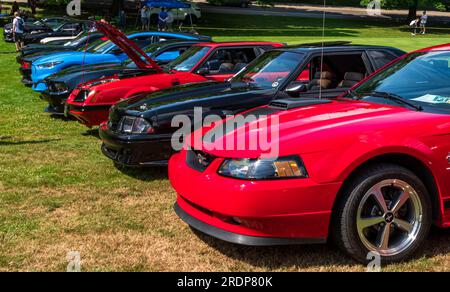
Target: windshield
x: 82, y: 38
x: 420, y: 78
x: 271, y: 69
x: 100, y: 47
x: 187, y: 61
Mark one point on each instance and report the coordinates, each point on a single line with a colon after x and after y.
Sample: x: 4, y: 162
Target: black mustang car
x: 62, y: 84
x: 37, y: 50
x: 33, y: 26
x: 139, y: 131
x: 66, y: 29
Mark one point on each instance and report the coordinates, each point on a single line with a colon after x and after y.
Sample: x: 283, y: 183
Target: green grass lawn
x: 58, y: 193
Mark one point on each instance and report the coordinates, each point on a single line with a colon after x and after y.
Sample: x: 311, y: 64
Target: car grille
x: 198, y: 160
x: 53, y: 88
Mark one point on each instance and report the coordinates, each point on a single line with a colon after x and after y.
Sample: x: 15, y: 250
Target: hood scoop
x: 291, y: 103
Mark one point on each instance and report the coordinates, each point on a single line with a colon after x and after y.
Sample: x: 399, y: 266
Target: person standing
x: 122, y: 19
x: 415, y: 25
x: 162, y: 20
x: 144, y: 19
x: 18, y: 27
x: 170, y: 19
x: 149, y: 17
x: 423, y: 22
x: 33, y: 7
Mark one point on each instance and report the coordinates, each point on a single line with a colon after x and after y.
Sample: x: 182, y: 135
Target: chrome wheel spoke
x: 378, y: 194
x: 364, y: 223
x: 383, y: 237
x: 389, y: 217
x: 401, y: 201
x: 404, y: 225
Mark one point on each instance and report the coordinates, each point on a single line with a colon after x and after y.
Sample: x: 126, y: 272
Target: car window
x: 422, y: 77
x: 187, y: 61
x: 334, y: 72
x: 271, y: 69
x: 229, y: 60
x: 381, y: 58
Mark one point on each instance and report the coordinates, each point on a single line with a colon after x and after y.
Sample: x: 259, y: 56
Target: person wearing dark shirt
x: 162, y: 20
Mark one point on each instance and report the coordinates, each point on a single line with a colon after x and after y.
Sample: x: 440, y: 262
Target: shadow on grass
x: 92, y: 132
x: 310, y: 256
x: 430, y: 31
x: 18, y: 143
x: 146, y: 174
x: 280, y: 257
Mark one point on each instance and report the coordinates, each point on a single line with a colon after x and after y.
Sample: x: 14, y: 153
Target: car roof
x: 236, y: 44
x: 174, y: 43
x: 443, y: 47
x: 332, y: 47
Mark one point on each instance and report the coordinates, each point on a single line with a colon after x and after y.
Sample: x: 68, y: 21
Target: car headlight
x: 262, y: 169
x: 49, y: 65
x: 134, y: 125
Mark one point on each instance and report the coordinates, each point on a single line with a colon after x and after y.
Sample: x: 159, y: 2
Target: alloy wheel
x: 389, y: 217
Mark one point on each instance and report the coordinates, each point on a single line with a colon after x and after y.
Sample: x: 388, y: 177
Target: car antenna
x: 323, y: 47
x: 84, y: 56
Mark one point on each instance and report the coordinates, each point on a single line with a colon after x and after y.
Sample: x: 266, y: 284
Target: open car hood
x: 139, y: 57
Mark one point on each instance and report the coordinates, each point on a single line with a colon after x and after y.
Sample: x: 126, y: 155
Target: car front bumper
x: 26, y: 77
x: 154, y: 150
x: 56, y: 101
x: 285, y: 211
x: 90, y: 116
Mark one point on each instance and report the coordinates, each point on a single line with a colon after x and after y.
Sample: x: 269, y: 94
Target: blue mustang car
x: 105, y: 52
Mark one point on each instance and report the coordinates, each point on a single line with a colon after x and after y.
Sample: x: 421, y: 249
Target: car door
x: 224, y: 63
x: 330, y: 76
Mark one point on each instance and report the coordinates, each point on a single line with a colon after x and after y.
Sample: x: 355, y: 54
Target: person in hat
x: 18, y: 28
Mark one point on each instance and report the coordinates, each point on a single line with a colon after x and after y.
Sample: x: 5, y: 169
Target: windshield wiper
x: 396, y: 98
x: 353, y: 94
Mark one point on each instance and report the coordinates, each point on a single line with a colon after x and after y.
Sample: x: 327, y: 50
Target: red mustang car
x: 90, y: 102
x: 369, y: 170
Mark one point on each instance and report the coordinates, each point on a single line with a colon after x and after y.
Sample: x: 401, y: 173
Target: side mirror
x: 295, y: 88
x: 203, y: 71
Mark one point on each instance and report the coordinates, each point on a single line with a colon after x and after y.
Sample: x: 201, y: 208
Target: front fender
x: 336, y: 165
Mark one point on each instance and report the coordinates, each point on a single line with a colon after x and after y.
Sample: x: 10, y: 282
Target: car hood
x: 171, y: 100
x: 72, y: 71
x: 74, y: 76
x: 63, y: 56
x: 34, y: 56
x: 133, y: 51
x: 314, y: 128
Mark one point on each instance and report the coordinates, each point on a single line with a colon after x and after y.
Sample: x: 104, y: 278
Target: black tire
x: 344, y: 227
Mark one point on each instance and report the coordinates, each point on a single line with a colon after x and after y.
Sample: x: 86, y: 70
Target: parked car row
x: 362, y: 149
